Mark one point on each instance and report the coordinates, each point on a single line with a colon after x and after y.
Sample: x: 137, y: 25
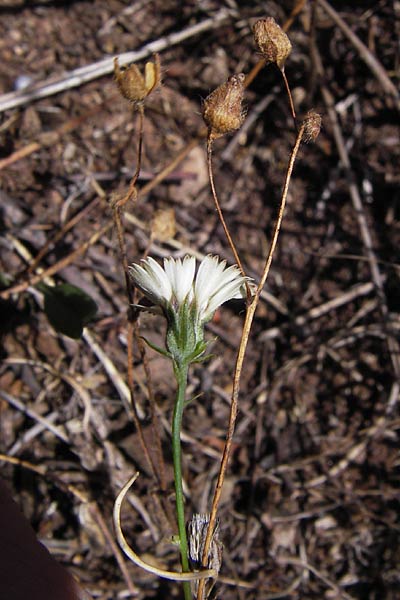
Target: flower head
x: 187, y: 300
x: 272, y: 41
x: 222, y: 110
x: 134, y: 86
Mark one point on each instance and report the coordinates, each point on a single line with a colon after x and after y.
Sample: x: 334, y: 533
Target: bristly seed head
x: 222, y: 109
x: 272, y: 41
x: 312, y: 126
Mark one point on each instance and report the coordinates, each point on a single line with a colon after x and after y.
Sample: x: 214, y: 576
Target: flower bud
x: 312, y: 126
x: 131, y: 83
x: 272, y: 41
x: 222, y: 110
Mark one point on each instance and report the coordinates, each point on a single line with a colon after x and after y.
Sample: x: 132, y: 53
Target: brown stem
x: 240, y: 358
x: 117, y: 214
x: 289, y: 93
x: 218, y: 206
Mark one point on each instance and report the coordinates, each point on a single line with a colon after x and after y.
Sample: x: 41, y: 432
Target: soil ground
x: 310, y: 507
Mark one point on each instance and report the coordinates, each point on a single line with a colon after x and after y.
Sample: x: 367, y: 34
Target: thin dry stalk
x: 121, y: 202
x: 132, y: 328
x: 289, y: 94
x: 218, y: 207
x: 240, y: 359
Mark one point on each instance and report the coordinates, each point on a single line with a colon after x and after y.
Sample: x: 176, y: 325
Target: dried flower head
x: 197, y: 532
x: 272, y: 41
x: 133, y: 85
x: 312, y: 126
x: 222, y: 109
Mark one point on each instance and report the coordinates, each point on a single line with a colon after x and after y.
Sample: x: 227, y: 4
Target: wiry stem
x: 240, y: 358
x: 218, y: 206
x: 120, y: 203
x: 117, y: 213
x: 289, y: 93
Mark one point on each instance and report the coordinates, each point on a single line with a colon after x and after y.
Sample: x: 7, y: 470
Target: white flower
x: 187, y: 300
x: 176, y: 283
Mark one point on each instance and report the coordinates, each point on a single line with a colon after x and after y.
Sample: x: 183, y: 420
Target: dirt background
x: 311, y: 502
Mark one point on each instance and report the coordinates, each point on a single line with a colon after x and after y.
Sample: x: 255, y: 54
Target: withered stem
x: 218, y: 206
x: 240, y: 359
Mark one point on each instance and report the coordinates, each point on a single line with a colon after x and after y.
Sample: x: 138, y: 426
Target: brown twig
x: 132, y: 327
x: 289, y: 94
x: 118, y: 205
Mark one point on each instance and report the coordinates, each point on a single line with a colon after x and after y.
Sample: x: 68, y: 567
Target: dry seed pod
x: 131, y: 83
x: 312, y: 126
x: 222, y: 109
x: 197, y: 532
x: 272, y: 41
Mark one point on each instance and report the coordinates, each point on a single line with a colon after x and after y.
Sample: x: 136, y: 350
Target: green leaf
x: 68, y: 308
x: 156, y: 348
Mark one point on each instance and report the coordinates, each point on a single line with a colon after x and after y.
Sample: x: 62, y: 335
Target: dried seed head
x: 272, y: 41
x: 196, y: 532
x: 312, y: 126
x: 131, y: 83
x: 222, y: 110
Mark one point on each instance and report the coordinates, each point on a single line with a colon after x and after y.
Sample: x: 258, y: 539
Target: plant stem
x: 181, y: 372
x: 251, y: 309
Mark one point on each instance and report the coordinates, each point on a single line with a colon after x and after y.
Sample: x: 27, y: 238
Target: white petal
x: 234, y: 289
x: 181, y: 274
x: 151, y: 278
x: 216, y: 285
x: 208, y: 279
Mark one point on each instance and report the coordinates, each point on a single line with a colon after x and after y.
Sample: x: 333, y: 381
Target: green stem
x: 181, y: 372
